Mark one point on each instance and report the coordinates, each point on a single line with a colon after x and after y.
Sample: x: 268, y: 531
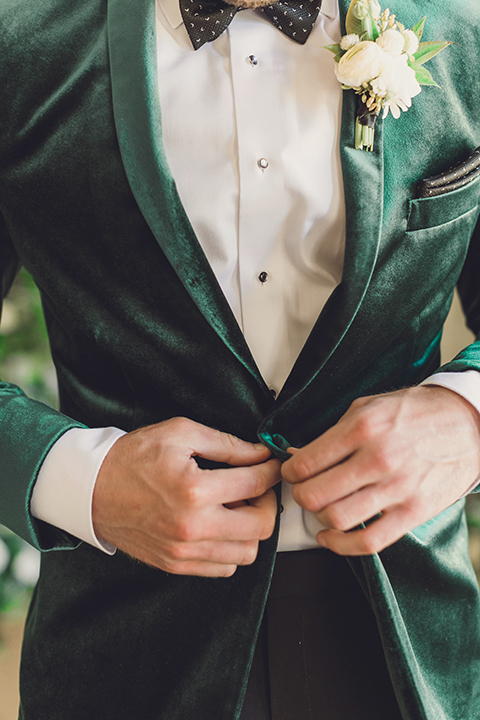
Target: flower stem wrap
x: 383, y: 63
x: 365, y: 126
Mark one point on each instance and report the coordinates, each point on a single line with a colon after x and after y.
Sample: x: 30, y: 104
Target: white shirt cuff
x: 466, y: 384
x: 63, y: 492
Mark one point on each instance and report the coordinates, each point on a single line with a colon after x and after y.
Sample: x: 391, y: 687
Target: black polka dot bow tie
x: 205, y: 20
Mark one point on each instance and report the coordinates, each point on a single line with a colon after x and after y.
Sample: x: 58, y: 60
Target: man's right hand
x: 153, y: 501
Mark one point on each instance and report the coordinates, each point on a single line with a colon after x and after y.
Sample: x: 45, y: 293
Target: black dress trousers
x: 319, y: 655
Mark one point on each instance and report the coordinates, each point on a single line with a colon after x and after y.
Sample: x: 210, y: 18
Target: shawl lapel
x: 131, y: 34
x: 363, y: 179
x: 363, y: 188
x: 363, y: 185
x: 132, y: 50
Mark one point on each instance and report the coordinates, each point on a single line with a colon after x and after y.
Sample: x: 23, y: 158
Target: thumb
x: 226, y: 448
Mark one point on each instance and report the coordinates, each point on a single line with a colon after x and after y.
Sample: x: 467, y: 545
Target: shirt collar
x: 171, y: 10
x: 330, y: 9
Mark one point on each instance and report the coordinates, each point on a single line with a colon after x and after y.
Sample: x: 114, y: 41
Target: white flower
x: 391, y: 41
x: 363, y: 7
x: 4, y: 556
x: 363, y: 62
x: 411, y: 42
x: 26, y: 566
x: 348, y: 41
x: 397, y: 84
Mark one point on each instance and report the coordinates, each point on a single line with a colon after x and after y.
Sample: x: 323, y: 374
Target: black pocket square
x: 454, y: 178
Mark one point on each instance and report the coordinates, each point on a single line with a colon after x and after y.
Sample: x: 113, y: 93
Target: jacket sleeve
x: 469, y: 290
x: 28, y: 429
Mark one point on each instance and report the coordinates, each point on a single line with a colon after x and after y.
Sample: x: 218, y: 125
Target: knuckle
x: 172, y: 567
x: 357, y: 403
x: 261, y: 479
x: 267, y: 527
x: 191, y: 493
x: 184, y: 568
x: 376, y: 499
x: 180, y: 425
x: 227, y: 571
x: 364, y: 427
x: 183, y: 530
x: 230, y: 445
x: 258, y: 485
x: 179, y: 552
x: 337, y: 518
x: 303, y: 466
x: 384, y: 460
x: 250, y: 553
x: 229, y: 441
x: 412, y: 510
x: 306, y: 498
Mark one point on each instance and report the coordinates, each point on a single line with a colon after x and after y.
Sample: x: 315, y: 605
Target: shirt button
x: 252, y: 60
x: 262, y: 163
x: 263, y: 277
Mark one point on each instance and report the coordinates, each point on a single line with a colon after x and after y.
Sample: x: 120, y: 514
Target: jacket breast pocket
x: 432, y: 212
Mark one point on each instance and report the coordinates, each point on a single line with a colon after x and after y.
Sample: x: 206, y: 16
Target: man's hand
x: 153, y: 502
x: 407, y: 455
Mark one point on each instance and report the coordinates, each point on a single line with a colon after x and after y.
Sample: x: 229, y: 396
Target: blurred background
x: 25, y: 361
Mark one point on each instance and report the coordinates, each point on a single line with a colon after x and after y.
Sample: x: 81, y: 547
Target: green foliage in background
x: 25, y: 361
x: 24, y: 351
x: 19, y: 566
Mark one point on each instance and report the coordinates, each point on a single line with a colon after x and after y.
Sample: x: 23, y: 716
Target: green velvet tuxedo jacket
x: 140, y: 332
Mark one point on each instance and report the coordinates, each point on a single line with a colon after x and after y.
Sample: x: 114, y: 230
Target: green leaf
x: 418, y: 28
x: 361, y: 27
x: 422, y: 75
x: 427, y: 50
x: 335, y: 49
x: 352, y: 24
x: 369, y: 26
x: 339, y: 56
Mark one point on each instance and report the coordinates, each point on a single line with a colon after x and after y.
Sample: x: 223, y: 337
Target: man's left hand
x: 407, y: 455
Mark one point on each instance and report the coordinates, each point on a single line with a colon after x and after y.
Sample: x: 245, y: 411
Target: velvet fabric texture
x: 140, y: 332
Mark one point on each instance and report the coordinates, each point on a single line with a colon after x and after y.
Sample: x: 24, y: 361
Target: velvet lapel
x: 363, y: 186
x: 132, y: 49
x: 131, y: 32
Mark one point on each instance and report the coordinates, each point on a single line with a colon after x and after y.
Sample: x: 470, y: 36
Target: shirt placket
x: 263, y: 202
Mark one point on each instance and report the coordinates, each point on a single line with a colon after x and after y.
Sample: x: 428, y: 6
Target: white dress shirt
x: 252, y: 142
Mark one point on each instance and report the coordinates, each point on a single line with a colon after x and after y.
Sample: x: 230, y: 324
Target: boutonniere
x: 383, y: 63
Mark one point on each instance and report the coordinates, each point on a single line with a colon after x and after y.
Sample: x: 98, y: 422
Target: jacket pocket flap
x: 441, y: 209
